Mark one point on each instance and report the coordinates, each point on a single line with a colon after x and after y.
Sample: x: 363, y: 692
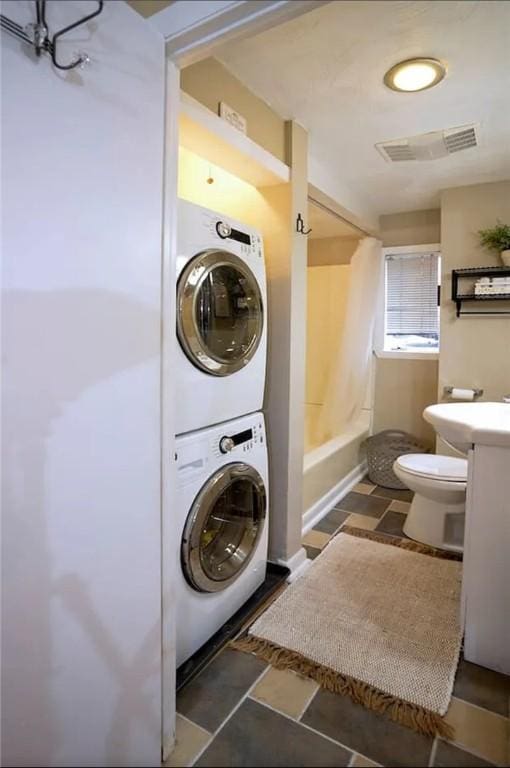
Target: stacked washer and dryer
x: 221, y: 450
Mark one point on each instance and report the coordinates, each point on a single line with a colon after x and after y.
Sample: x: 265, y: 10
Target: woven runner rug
x: 376, y: 621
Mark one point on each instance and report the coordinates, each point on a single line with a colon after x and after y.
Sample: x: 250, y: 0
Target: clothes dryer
x: 221, y: 318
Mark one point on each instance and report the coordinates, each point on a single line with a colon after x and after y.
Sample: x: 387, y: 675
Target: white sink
x: 465, y: 424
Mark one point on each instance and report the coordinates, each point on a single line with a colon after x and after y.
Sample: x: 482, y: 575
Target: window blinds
x: 411, y: 294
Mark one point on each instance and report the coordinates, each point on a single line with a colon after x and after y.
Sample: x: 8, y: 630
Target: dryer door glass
x: 224, y: 527
x: 219, y: 312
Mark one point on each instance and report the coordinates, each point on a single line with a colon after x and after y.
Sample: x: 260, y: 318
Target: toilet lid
x: 431, y: 465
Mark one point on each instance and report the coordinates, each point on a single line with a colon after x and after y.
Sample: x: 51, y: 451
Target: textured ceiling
x: 325, y: 69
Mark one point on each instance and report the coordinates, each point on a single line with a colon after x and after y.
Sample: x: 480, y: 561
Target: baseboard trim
x: 317, y: 511
x: 297, y: 564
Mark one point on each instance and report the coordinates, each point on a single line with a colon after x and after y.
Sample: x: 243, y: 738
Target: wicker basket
x: 382, y: 451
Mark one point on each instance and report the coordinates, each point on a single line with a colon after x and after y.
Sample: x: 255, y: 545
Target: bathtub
x: 330, y: 469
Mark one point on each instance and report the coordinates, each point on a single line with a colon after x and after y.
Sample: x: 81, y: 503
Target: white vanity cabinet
x: 486, y: 568
x: 482, y: 430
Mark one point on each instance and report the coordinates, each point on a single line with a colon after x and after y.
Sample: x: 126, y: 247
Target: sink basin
x: 464, y: 424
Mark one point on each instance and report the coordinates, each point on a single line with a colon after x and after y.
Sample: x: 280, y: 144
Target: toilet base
x: 436, y: 524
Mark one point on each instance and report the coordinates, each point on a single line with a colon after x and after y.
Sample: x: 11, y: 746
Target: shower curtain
x: 349, y: 372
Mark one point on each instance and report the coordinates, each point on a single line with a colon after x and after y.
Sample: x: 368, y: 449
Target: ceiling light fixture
x: 415, y: 75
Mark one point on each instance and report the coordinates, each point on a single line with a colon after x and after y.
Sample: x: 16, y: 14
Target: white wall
x: 82, y: 197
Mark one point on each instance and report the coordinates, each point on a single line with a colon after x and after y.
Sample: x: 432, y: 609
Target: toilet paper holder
x: 447, y: 391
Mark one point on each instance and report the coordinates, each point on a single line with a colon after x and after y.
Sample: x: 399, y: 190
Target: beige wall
x: 411, y: 227
x: 210, y: 82
x: 229, y: 194
x: 149, y: 7
x: 403, y: 388
x: 324, y: 251
x: 475, y: 351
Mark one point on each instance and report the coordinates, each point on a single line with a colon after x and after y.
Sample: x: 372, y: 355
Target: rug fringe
x: 394, y: 541
x: 399, y: 711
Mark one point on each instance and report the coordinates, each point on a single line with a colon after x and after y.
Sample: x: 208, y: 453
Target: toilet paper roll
x: 462, y: 394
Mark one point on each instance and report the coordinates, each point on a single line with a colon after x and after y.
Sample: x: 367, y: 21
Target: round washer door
x: 223, y: 527
x: 220, y: 316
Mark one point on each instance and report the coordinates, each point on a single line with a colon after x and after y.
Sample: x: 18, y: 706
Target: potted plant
x: 497, y: 239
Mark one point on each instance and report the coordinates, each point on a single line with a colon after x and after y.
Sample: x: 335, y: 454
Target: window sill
x: 397, y: 354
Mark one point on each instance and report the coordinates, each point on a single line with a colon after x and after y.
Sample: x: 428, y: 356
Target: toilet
x: 437, y: 512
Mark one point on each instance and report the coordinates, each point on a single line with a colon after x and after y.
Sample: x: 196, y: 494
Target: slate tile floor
x: 241, y: 712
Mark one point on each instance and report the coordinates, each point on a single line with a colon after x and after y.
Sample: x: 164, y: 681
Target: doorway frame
x: 193, y: 31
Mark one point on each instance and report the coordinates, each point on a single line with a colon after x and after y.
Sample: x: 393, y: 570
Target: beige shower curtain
x: 349, y: 372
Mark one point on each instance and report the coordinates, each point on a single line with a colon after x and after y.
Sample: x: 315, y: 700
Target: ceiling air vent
x: 429, y: 146
x: 457, y: 139
x: 397, y: 151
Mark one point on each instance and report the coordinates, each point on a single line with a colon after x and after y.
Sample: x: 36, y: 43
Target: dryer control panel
x: 250, y: 243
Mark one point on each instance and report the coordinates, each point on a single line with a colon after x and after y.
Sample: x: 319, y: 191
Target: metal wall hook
x: 39, y: 30
x: 82, y: 58
x: 37, y: 34
x: 300, y: 226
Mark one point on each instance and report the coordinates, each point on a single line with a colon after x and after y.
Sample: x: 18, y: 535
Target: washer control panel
x: 223, y: 229
x: 238, y: 442
x: 226, y: 444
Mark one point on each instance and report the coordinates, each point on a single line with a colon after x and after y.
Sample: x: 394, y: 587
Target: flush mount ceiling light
x: 415, y: 75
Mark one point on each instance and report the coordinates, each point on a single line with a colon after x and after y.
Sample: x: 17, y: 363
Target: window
x: 411, y: 311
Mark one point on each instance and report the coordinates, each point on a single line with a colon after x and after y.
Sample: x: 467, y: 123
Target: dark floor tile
x: 363, y: 504
x: 257, y: 736
x: 364, y: 731
x: 338, y: 516
x: 483, y: 687
x: 392, y: 523
x: 393, y: 493
x: 326, y: 526
x: 211, y: 696
x: 332, y: 522
x: 312, y: 552
x: 448, y: 756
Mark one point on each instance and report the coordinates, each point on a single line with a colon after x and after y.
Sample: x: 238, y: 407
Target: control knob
x: 226, y: 444
x: 223, y: 229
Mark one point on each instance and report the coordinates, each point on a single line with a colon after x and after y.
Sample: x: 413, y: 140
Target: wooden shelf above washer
x: 212, y: 138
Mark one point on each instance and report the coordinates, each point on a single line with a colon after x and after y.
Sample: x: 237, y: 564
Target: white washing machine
x: 221, y: 526
x: 221, y: 318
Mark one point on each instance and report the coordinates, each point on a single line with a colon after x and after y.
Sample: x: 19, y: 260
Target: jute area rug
x: 376, y: 621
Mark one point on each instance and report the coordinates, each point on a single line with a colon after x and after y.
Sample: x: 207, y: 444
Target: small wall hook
x: 300, y: 226
x: 82, y: 57
x: 37, y: 34
x: 38, y: 31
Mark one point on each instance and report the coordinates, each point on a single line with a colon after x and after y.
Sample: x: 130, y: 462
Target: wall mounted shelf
x: 212, y: 138
x: 471, y: 273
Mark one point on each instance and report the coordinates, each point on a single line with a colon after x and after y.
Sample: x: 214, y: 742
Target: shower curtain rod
x: 337, y: 215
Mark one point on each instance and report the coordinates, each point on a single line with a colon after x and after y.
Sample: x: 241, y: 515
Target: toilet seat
x: 435, y: 467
